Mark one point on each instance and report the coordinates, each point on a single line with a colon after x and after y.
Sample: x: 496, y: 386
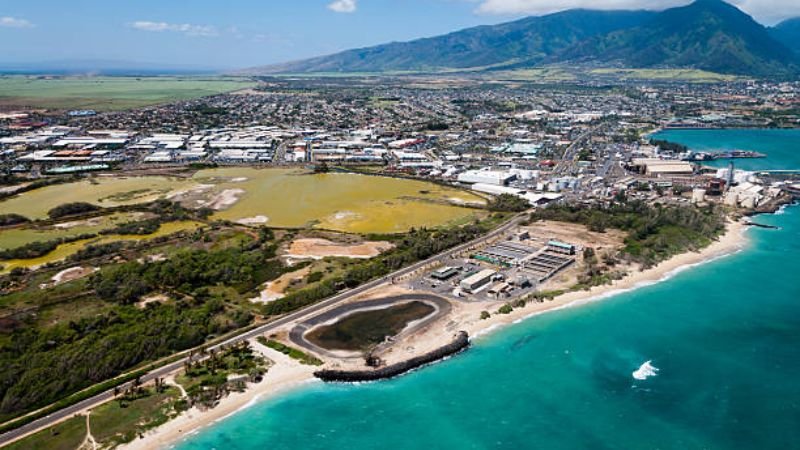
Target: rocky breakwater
x: 460, y: 343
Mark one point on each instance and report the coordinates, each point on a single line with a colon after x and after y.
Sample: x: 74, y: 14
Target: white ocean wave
x: 645, y: 371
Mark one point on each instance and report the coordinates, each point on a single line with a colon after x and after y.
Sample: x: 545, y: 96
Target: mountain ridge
x: 710, y: 35
x: 473, y: 47
x: 788, y: 33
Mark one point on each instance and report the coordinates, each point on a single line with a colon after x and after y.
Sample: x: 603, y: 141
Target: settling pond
x: 275, y: 197
x: 362, y: 330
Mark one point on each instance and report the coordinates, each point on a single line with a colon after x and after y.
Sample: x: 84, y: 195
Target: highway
x: 163, y: 371
x: 568, y: 160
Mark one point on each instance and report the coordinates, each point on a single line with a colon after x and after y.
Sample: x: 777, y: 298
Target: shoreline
x: 287, y: 375
x: 730, y: 243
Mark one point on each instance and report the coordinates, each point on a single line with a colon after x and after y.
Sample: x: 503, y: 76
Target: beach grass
x: 290, y: 352
x: 115, y: 422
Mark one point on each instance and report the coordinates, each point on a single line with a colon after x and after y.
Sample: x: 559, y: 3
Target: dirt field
x: 314, y: 248
x: 71, y: 274
x: 276, y: 289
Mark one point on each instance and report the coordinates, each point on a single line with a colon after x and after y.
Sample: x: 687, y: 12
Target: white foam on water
x: 645, y: 371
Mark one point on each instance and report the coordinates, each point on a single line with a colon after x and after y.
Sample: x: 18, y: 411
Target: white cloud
x: 14, y: 22
x: 185, y: 28
x: 768, y: 11
x: 343, y: 6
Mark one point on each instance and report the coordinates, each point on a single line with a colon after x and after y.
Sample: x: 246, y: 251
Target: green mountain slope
x: 788, y: 33
x: 531, y: 39
x: 707, y: 34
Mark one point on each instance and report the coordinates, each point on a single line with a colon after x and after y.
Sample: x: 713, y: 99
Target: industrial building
x: 478, y: 280
x: 444, y: 274
x: 495, y: 177
x: 662, y: 167
x: 560, y: 247
x: 555, y: 257
x: 505, y: 253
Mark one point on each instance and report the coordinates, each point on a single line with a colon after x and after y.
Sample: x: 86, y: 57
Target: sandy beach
x: 287, y: 374
x: 284, y: 374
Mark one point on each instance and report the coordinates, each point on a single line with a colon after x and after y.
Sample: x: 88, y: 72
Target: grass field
x: 67, y: 435
x: 113, y: 424
x: 692, y: 75
x: 109, y: 93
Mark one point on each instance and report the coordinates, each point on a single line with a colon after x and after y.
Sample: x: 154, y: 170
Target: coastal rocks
x: 460, y: 343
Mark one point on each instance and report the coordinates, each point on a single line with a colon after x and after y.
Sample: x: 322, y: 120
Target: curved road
x: 297, y: 334
x: 163, y: 371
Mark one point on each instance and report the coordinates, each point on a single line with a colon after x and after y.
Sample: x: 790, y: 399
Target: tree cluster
x: 72, y: 209
x: 655, y: 233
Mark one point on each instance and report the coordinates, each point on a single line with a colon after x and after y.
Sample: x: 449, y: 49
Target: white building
x: 496, y: 177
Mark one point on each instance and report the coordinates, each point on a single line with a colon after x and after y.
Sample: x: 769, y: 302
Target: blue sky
x: 244, y: 33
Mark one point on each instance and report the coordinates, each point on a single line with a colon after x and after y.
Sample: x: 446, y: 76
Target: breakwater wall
x: 460, y: 343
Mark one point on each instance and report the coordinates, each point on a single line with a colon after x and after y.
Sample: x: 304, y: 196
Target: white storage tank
x: 698, y: 195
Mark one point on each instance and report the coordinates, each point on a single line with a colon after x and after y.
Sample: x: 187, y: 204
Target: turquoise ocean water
x: 725, y: 337
x: 782, y: 146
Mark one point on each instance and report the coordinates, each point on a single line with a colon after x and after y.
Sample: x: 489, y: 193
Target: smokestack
x: 729, y: 180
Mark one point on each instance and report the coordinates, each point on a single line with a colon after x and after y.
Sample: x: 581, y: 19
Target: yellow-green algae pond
x: 17, y: 237
x: 289, y: 198
x: 277, y: 197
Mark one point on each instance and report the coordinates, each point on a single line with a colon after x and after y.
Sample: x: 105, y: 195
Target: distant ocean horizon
x: 708, y: 359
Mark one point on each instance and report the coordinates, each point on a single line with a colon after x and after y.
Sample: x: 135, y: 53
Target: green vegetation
x: 485, y: 315
x: 518, y: 44
x: 186, y: 273
x: 39, y: 248
x: 597, y: 272
x: 41, y: 366
x: 414, y: 246
x: 140, y: 228
x: 508, y: 203
x: 691, y: 75
x: 72, y: 209
x: 217, y: 373
x: 12, y: 219
x: 321, y: 167
x: 67, y: 435
x: 505, y: 309
x: 110, y: 93
x: 669, y: 146
x: 97, y: 251
x: 64, y: 343
x: 45, y: 362
x: 655, y: 233
x: 122, y: 421
x: 290, y: 352
x: 363, y: 330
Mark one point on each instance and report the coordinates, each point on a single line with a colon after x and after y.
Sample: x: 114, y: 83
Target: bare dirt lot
x: 316, y: 248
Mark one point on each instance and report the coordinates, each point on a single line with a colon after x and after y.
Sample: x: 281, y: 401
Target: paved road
x: 263, y: 329
x: 568, y: 160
